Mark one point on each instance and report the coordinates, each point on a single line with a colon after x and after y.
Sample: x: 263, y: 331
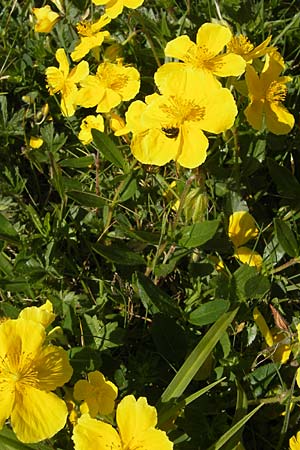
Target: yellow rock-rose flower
x: 201, y: 61
x: 35, y: 142
x: 63, y: 80
x: 41, y: 314
x: 98, y: 394
x: 294, y: 442
x: 241, y: 45
x: 91, y: 36
x: 112, y: 84
x: 87, y: 124
x: 136, y: 422
x: 241, y: 229
x: 29, y: 371
x: 266, y: 94
x: 169, y: 127
x: 46, y: 19
x: 114, y: 8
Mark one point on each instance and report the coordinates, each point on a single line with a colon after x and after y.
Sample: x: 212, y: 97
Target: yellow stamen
x: 276, y: 92
x: 240, y: 45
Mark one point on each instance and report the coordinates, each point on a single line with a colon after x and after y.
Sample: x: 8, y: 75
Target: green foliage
x: 136, y: 259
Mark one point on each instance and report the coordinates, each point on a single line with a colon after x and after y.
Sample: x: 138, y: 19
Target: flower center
x: 201, y: 57
x: 110, y: 75
x: 240, y: 45
x: 276, y: 92
x: 18, y: 369
x: 177, y: 111
x: 84, y: 29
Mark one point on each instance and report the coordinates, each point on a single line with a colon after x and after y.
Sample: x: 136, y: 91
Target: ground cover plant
x: 149, y: 225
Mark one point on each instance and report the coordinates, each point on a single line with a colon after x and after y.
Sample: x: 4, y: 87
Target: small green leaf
x: 7, y: 231
x: 286, y: 238
x: 287, y: 185
x: 209, y: 312
x: 108, y: 148
x: 87, y: 199
x: 9, y: 441
x: 78, y: 163
x: 119, y: 255
x: 198, y: 234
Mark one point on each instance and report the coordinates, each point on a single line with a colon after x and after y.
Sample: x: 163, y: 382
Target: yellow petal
x: 133, y: 3
x: 79, y: 72
x: 134, y: 417
x: 91, y: 92
x: 133, y: 119
x: 254, y: 114
x: 278, y: 119
x: 92, y: 434
x: 152, y: 147
x: 37, y: 415
x: 220, y: 111
x: 7, y: 398
x: 263, y: 327
x: 294, y: 441
x: 153, y: 439
x: 247, y: 256
x: 62, y: 59
x: 229, y: 64
x: 241, y: 228
x: 214, y: 37
x: 192, y: 151
x: 43, y: 314
x: 283, y: 350
x: 53, y: 367
x: 179, y: 47
x: 35, y: 142
x: 254, y: 84
x: 110, y: 100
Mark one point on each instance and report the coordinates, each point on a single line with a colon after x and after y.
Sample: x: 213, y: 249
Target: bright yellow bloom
x: 112, y: 84
x: 202, y: 61
x: 169, y: 127
x: 46, y: 19
x: 91, y: 36
x: 87, y: 124
x: 273, y: 338
x: 136, y: 422
x: 241, y: 45
x: 266, y: 93
x: 29, y: 371
x: 241, y: 228
x: 98, y: 393
x: 294, y: 442
x: 115, y: 7
x: 35, y: 142
x: 42, y: 314
x: 63, y: 80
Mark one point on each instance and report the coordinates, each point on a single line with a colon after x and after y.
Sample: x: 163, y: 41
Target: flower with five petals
x: 88, y: 124
x: 46, y: 19
x: 136, y: 422
x: 29, y: 371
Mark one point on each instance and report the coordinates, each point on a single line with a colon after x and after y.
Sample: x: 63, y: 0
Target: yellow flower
x: 169, y: 127
x: 241, y: 229
x: 90, y: 36
x: 273, y: 338
x: 136, y: 422
x: 115, y: 7
x: 202, y: 60
x: 35, y: 142
x: 98, y: 393
x: 112, y: 84
x: 63, y: 80
x: 241, y: 45
x: 294, y: 442
x: 29, y: 371
x: 87, y: 124
x: 46, y: 19
x: 266, y: 93
x: 42, y: 314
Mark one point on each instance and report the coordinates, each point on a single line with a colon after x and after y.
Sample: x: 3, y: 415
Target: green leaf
x: 9, y: 441
x: 287, y: 185
x: 78, y: 163
x: 154, y: 299
x: 198, y: 356
x: 7, y: 231
x: 87, y: 199
x: 286, y: 238
x: 108, y: 148
x: 233, y: 430
x: 198, y: 234
x: 208, y: 312
x: 248, y: 283
x: 119, y: 255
